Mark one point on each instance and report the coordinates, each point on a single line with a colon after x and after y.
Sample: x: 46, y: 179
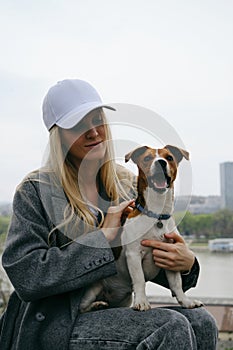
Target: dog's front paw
x: 196, y: 303
x: 191, y: 304
x: 141, y: 305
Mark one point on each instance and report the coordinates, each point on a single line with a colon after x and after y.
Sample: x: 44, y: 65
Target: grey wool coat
x: 49, y: 271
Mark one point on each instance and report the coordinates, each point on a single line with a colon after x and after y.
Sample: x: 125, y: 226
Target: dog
x: 150, y: 219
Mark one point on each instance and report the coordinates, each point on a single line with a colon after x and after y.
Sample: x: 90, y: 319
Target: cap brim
x: 69, y: 121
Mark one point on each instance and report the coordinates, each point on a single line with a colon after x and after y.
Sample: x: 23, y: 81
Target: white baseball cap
x: 67, y: 102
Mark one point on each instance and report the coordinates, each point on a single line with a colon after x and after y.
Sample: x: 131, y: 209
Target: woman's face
x: 86, y: 139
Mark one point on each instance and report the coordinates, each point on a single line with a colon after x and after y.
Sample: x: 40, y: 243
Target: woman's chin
x: 96, y: 153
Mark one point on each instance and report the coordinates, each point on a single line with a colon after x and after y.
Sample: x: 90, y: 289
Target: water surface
x: 215, y: 280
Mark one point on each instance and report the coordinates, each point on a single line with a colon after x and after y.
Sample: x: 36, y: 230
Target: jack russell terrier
x: 150, y: 219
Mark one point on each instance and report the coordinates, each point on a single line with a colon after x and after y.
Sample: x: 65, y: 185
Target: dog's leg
x: 89, y: 302
x: 175, y: 283
x: 134, y: 261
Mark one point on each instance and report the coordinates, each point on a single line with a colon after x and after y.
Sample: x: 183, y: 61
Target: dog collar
x: 151, y: 214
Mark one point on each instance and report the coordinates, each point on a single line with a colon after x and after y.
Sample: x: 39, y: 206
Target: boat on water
x: 221, y: 245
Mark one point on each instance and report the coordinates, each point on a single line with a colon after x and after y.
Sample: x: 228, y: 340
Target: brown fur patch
x: 134, y: 213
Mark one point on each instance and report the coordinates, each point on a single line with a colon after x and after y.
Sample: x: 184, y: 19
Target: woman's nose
x: 92, y: 132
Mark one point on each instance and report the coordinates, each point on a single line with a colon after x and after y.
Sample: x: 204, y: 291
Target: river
x: 215, y: 281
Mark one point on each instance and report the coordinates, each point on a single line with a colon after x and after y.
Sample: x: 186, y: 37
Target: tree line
x: 209, y: 226
x: 214, y: 225
x: 4, y: 223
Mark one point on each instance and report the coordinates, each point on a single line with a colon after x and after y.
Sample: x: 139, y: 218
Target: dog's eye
x: 147, y: 158
x: 170, y: 158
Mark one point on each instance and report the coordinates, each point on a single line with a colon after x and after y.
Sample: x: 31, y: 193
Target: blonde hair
x: 67, y: 176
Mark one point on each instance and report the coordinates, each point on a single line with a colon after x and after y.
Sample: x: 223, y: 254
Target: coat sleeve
x: 37, y: 270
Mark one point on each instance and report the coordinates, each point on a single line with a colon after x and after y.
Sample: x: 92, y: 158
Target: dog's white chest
x: 144, y: 227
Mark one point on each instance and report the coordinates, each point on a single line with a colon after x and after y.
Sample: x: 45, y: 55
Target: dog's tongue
x: 162, y: 183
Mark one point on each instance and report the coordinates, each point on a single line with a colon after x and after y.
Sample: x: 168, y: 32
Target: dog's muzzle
x: 159, y: 179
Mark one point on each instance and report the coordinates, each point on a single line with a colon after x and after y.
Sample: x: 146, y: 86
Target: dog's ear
x: 135, y: 154
x: 178, y: 153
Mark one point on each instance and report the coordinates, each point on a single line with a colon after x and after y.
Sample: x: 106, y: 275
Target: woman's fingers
x: 125, y: 205
x: 112, y: 221
x: 175, y: 237
x: 175, y: 257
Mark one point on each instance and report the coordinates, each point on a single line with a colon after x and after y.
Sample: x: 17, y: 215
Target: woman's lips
x: 94, y: 144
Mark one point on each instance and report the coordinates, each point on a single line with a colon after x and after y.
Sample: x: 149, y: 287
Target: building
x: 198, y: 204
x: 226, y: 181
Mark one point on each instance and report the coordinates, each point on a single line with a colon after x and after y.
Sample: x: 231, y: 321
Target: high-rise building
x: 226, y: 179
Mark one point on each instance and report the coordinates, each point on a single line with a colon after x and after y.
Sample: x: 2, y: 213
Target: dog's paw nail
x: 191, y: 304
x: 198, y: 303
x: 144, y: 306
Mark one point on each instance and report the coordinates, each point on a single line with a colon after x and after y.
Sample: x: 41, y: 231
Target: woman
x: 66, y: 217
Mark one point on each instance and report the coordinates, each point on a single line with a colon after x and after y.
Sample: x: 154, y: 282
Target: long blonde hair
x: 67, y: 175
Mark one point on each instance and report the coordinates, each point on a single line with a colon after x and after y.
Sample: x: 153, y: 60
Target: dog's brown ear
x: 178, y: 153
x: 135, y: 154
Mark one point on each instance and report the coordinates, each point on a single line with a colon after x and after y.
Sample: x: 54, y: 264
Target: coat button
x: 98, y: 262
x: 88, y: 266
x: 40, y: 317
x: 106, y: 258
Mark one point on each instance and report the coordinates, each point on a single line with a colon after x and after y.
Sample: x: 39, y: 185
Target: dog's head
x: 158, y: 166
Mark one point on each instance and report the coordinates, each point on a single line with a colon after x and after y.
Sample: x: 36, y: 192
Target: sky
x: 174, y: 58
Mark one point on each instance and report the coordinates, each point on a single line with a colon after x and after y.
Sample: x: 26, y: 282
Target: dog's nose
x: 162, y: 163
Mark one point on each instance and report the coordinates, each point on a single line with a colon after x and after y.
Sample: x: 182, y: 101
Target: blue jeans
x: 156, y: 329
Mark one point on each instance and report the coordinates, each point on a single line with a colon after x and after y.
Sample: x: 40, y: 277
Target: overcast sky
x: 174, y: 57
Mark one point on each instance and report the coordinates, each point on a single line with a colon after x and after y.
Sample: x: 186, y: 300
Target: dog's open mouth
x: 160, y: 181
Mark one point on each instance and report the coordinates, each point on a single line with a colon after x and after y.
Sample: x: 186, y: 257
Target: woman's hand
x: 174, y: 256
x: 112, y: 221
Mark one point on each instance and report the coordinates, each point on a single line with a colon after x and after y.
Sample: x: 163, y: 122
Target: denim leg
x: 127, y: 329
x: 204, y: 326
x: 176, y: 333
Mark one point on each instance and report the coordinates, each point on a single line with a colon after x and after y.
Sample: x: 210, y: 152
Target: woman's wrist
x: 190, y: 264
x: 109, y: 233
